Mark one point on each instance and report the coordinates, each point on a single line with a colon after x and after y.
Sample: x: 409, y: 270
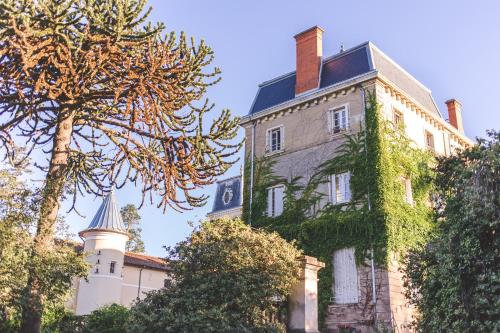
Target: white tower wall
x: 102, y: 286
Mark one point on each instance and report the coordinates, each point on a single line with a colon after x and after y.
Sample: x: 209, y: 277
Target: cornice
x: 304, y: 101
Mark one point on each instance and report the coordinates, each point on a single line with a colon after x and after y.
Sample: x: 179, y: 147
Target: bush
x: 108, y: 319
x: 227, y: 278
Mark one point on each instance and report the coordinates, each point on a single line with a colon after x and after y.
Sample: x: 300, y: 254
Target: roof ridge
x: 346, y: 52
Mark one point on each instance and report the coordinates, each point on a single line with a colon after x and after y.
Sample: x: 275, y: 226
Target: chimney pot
x: 309, y: 49
x: 455, y: 114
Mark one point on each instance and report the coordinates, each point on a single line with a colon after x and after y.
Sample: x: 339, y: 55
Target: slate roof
x: 359, y: 60
x: 108, y: 216
x: 228, y: 194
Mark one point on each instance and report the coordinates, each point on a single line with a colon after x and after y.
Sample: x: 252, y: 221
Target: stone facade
x: 308, y: 140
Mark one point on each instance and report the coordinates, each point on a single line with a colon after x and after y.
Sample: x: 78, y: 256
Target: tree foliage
x: 19, y: 209
x: 109, y: 99
x: 226, y: 278
x: 132, y: 220
x: 455, y: 280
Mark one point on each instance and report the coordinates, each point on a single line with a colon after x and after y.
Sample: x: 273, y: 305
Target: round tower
x: 104, y: 245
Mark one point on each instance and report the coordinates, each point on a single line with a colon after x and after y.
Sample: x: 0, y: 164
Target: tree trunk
x: 32, y: 306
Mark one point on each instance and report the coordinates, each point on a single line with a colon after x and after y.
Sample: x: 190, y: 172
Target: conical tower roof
x: 108, y: 217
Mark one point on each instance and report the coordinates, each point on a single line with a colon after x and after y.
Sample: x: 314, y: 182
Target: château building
x: 299, y: 120
x: 115, y: 276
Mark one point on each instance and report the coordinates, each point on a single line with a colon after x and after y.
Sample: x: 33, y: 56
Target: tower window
x: 112, y: 267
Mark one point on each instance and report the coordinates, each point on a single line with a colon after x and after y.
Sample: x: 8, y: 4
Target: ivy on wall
x: 377, y: 216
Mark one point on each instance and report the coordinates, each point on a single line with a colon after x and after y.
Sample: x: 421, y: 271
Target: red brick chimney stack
x: 309, y: 52
x: 455, y: 114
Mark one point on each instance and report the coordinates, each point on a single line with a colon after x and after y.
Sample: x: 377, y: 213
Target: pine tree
x: 109, y: 99
x: 132, y: 219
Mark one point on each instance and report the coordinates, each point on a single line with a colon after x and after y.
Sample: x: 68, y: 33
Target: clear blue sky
x: 451, y: 46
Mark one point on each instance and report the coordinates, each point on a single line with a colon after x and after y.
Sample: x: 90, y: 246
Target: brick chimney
x: 455, y: 114
x: 309, y: 52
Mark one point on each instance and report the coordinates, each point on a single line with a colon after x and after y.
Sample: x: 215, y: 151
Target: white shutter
x: 347, y: 184
x: 270, y: 202
x: 408, y: 191
x: 268, y: 141
x: 345, y: 276
x: 330, y: 121
x: 333, y: 189
x: 282, y: 135
x: 279, y: 199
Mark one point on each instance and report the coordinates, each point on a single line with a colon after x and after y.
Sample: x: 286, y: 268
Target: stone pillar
x: 303, y: 302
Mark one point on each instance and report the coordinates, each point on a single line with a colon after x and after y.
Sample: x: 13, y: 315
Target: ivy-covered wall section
x: 377, y: 217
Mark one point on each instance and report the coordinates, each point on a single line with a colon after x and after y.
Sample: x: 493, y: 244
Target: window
x: 397, y: 118
x: 408, y: 193
x: 275, y: 200
x: 275, y: 139
x: 429, y: 140
x: 112, y: 267
x: 339, y: 119
x: 340, y: 190
x: 345, y: 275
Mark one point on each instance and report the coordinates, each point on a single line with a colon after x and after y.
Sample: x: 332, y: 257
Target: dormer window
x: 339, y: 119
x: 275, y: 139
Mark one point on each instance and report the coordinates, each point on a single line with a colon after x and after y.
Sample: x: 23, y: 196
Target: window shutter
x: 408, y: 191
x: 347, y: 182
x: 282, y: 134
x: 330, y: 121
x: 345, y: 276
x: 268, y: 141
x: 279, y: 191
x: 333, y: 192
x: 270, y: 202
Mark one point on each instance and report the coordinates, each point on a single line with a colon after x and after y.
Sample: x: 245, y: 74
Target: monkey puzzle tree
x: 109, y: 99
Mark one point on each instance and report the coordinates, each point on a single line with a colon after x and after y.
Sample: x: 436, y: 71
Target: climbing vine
x: 380, y: 158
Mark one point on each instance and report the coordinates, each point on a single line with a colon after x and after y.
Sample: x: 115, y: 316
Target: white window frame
x: 269, y: 146
x: 273, y: 207
x: 432, y: 147
x: 333, y: 187
x: 345, y: 278
x: 331, y: 119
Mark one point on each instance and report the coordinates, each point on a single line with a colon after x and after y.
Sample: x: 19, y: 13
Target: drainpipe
x: 372, y: 261
x: 139, y: 286
x: 251, y: 175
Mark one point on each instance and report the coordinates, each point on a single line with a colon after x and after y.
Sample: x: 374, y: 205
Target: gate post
x: 303, y: 301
